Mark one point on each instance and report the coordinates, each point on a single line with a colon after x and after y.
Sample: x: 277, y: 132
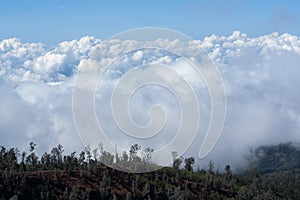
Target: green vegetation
x: 273, y: 173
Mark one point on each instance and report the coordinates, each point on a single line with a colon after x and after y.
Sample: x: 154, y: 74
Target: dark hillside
x: 274, y: 174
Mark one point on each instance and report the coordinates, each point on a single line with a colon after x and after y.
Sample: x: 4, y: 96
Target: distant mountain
x: 276, y: 158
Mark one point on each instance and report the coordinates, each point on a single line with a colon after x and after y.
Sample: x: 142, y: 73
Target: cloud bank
x: 260, y: 76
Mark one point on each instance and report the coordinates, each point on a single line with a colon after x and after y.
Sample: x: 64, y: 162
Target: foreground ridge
x: 56, y: 176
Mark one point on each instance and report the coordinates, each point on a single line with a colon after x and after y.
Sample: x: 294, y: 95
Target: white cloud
x: 260, y: 75
x: 49, y: 63
x: 137, y: 56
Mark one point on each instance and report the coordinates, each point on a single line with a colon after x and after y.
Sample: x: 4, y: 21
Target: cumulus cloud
x: 260, y: 76
x: 137, y: 56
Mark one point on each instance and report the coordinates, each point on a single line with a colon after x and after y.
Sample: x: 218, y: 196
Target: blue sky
x: 52, y: 21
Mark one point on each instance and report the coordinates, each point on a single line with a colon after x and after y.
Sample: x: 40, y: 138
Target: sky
x: 53, y: 21
x: 255, y: 45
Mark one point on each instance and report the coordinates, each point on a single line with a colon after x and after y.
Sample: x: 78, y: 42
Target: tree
x: 2, y: 157
x: 174, y: 155
x: 32, y: 159
x: 46, y: 160
x: 177, y: 162
x: 211, y: 167
x: 95, y: 154
x: 189, y: 163
x: 147, y: 154
x: 56, y: 156
x: 228, y: 172
x: 134, y: 150
x: 146, y: 190
x: 11, y: 159
x: 125, y: 156
x: 88, y: 154
x: 22, y: 164
x: 81, y: 158
x: 70, y: 162
x: 107, y: 158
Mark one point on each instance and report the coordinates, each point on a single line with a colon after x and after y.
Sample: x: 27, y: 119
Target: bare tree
x: 147, y: 153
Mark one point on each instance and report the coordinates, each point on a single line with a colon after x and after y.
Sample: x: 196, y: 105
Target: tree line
x: 272, y: 173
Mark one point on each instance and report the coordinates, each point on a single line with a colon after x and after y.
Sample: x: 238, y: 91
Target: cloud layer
x: 260, y: 76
